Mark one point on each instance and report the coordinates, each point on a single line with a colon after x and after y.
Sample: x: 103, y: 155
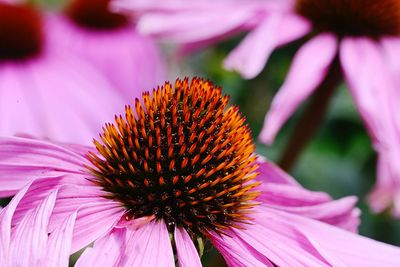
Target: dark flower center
x: 95, y: 15
x: 373, y: 18
x: 183, y: 158
x: 21, y: 35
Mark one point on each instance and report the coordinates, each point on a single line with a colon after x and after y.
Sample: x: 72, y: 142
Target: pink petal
x: 116, y: 53
x: 96, y: 215
x: 279, y: 191
x: 367, y: 72
x: 187, y: 252
x: 22, y: 160
x: 237, y: 253
x: 6, y: 215
x: 107, y: 251
x: 286, y: 246
x: 33, y: 92
x: 308, y: 70
x: 271, y: 173
x: 149, y: 246
x: 29, y: 241
x: 346, y: 247
x: 391, y: 46
x: 250, y: 57
x: 59, y: 244
x: 195, y: 25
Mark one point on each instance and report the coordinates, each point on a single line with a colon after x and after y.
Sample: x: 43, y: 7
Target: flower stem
x: 312, y: 117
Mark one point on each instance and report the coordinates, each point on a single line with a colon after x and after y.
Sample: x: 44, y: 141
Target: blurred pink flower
x: 131, y: 61
x: 45, y: 91
x: 132, y: 202
x: 361, y: 36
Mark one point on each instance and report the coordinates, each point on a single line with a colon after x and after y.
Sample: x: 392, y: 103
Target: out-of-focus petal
x: 35, y: 96
x: 106, y: 252
x: 250, y: 57
x: 149, y: 246
x: 194, y: 25
x: 130, y: 61
x: 308, y: 70
x: 59, y: 244
x: 187, y: 253
x: 29, y: 241
x: 377, y: 98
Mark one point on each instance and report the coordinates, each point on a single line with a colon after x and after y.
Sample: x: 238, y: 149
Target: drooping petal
x: 250, y: 57
x: 107, y: 251
x: 187, y: 253
x: 279, y: 191
x: 349, y: 248
x: 25, y: 159
x: 373, y: 88
x: 29, y: 241
x: 59, y: 244
x: 93, y: 221
x: 308, y: 70
x: 236, y: 253
x: 6, y: 215
x: 149, y: 246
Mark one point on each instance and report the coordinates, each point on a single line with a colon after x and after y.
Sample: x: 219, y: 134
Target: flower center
x: 373, y: 18
x: 183, y: 158
x: 20, y: 32
x: 95, y: 15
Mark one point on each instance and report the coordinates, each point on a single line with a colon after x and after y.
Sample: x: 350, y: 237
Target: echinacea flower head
x: 46, y: 91
x: 355, y: 40
x: 183, y: 159
x: 177, y: 173
x: 110, y: 42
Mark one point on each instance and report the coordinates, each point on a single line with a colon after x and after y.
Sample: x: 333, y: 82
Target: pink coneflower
x: 355, y: 39
x: 44, y: 91
x: 131, y: 61
x: 177, y: 173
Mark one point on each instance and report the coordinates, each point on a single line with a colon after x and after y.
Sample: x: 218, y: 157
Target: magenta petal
x: 281, y: 192
x: 29, y: 241
x: 23, y: 159
x: 308, y: 69
x: 346, y: 247
x: 149, y: 246
x: 107, y: 251
x: 282, y: 244
x: 6, y: 215
x: 367, y: 72
x: 91, y: 223
x: 196, y: 24
x: 59, y: 244
x: 237, y: 253
x: 187, y: 252
x: 250, y: 57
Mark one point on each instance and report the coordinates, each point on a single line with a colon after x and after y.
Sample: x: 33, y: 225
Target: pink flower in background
x: 44, y: 91
x: 131, y: 61
x: 178, y: 172
x: 358, y: 38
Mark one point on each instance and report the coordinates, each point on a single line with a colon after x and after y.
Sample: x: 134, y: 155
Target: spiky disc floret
x: 183, y: 158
